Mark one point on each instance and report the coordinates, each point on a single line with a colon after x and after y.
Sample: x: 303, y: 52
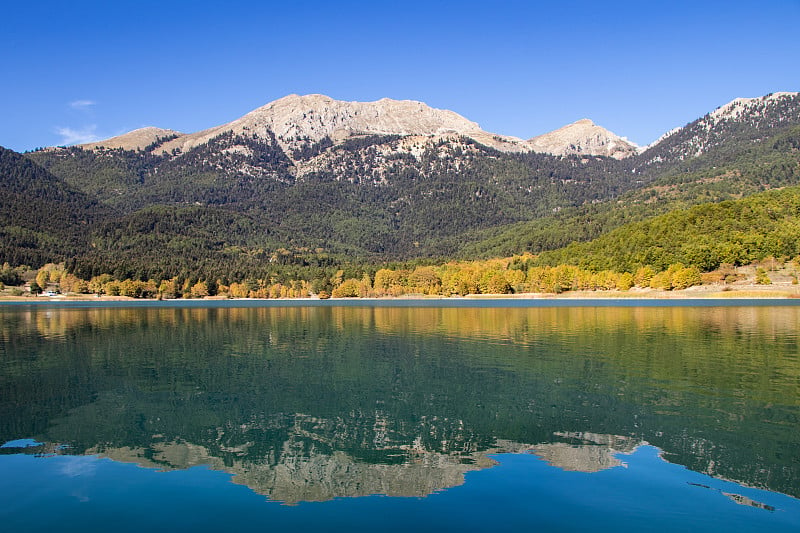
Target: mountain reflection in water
x: 310, y: 404
x: 310, y: 476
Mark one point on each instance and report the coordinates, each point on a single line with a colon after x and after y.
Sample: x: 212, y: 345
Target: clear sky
x: 84, y: 70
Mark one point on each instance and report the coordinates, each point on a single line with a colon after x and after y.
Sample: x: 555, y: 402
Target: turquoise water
x: 199, y: 418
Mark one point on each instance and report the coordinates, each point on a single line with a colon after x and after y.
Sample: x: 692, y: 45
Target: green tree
x: 35, y: 288
x: 762, y: 278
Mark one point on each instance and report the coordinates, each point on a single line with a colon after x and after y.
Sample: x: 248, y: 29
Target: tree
x: 686, y: 277
x: 425, y: 279
x: 167, y: 290
x: 625, y: 281
x: 42, y: 278
x: 35, y: 288
x: 761, y: 277
x: 350, y: 288
x: 662, y: 280
x: 199, y: 290
x: 643, y: 276
x: 494, y: 282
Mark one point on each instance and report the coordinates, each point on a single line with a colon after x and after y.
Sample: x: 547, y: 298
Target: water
x: 476, y: 417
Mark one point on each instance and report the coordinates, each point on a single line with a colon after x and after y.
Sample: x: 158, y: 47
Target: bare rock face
x: 294, y: 120
x: 298, y: 122
x: 134, y: 140
x: 583, y: 138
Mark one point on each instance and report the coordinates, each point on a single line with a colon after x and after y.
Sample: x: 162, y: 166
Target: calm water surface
x: 399, y: 418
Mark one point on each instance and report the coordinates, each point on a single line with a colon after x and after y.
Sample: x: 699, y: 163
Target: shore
x: 744, y: 291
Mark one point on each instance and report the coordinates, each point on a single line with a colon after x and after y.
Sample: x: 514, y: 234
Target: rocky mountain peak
x: 296, y: 120
x: 584, y: 137
x: 299, y: 121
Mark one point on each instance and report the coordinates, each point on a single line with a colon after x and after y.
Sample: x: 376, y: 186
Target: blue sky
x: 75, y: 71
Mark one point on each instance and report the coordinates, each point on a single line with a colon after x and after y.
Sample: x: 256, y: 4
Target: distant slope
x: 721, y: 134
x: 735, y: 231
x: 42, y: 219
x: 194, y: 241
x: 771, y: 163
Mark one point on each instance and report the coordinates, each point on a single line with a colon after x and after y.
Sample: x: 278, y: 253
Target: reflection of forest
x: 405, y: 399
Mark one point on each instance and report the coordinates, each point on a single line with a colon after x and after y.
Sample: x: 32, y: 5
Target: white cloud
x: 86, y: 134
x: 81, y: 105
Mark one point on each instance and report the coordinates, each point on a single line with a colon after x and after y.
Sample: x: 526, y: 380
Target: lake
x: 426, y: 415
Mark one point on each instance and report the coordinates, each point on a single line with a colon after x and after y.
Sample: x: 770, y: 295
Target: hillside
x: 735, y: 232
x: 720, y: 135
x: 773, y: 163
x: 42, y: 219
x: 367, y: 196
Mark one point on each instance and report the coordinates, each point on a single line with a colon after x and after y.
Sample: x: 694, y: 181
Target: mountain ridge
x: 227, y: 204
x: 296, y: 119
x: 139, y: 139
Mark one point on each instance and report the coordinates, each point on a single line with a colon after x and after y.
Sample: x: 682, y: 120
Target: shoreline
x: 706, y: 293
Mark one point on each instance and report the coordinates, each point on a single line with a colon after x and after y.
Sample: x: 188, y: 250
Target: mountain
x: 381, y: 178
x: 309, y: 181
x: 722, y: 133
x: 301, y: 121
x: 584, y: 138
x: 720, y: 175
